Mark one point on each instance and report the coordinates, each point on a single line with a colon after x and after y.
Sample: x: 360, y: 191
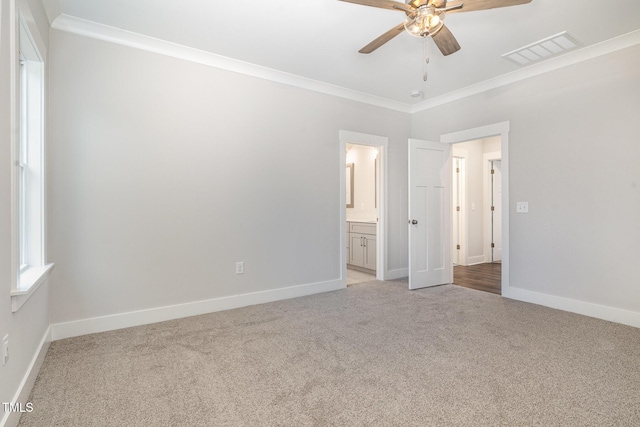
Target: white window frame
x: 29, y: 267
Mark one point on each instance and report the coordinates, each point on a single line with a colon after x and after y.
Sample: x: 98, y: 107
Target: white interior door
x: 429, y: 214
x: 496, y: 225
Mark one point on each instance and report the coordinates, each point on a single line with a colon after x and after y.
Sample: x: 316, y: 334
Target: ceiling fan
x: 426, y: 18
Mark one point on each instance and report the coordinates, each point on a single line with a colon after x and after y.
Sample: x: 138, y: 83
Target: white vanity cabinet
x: 362, y: 245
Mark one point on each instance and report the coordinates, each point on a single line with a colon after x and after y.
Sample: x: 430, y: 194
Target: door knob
x: 414, y: 222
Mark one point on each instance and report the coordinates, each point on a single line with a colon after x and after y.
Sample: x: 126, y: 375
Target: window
x: 30, y: 266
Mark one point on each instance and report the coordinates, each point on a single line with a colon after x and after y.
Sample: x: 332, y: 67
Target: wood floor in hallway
x: 483, y: 277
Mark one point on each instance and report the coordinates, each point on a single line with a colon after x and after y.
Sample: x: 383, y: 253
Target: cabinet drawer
x: 362, y: 227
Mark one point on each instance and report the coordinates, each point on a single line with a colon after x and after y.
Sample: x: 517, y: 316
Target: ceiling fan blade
x: 471, y: 5
x: 382, y: 39
x: 445, y: 41
x: 384, y: 4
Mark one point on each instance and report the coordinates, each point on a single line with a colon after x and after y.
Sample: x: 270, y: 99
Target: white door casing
x: 490, y: 199
x: 429, y: 214
x: 458, y: 211
x: 496, y: 222
x: 455, y: 209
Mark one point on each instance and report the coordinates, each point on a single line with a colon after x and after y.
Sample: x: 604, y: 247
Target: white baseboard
x: 11, y: 419
x: 474, y: 260
x: 396, y: 274
x: 612, y: 314
x: 160, y: 314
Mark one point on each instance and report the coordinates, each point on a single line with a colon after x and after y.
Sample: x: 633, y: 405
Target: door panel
x: 435, y: 228
x: 420, y: 238
x: 430, y: 214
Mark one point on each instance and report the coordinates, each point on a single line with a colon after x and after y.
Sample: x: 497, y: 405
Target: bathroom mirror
x: 350, y: 168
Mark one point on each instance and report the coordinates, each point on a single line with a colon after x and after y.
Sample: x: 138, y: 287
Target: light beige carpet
x: 374, y: 354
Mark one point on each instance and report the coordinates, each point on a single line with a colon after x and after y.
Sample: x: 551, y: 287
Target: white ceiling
x: 320, y: 39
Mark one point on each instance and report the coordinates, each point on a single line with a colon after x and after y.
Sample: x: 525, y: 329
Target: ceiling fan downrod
x: 426, y: 60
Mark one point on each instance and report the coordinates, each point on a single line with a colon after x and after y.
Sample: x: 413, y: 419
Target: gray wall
x: 574, y: 155
x: 28, y: 326
x: 164, y: 173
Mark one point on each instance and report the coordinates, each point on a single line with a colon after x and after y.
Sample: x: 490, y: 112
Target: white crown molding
x: 573, y: 57
x: 127, y: 38
x: 52, y: 9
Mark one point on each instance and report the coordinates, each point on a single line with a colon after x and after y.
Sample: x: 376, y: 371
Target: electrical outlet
x: 239, y: 267
x: 5, y: 349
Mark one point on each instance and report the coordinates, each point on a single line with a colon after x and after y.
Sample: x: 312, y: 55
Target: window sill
x: 30, y: 281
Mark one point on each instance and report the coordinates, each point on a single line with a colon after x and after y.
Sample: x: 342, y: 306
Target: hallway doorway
x: 480, y: 207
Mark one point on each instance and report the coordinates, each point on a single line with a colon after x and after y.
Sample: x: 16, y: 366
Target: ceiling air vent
x: 543, y: 49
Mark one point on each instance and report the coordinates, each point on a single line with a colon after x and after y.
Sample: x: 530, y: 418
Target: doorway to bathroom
x: 363, y: 213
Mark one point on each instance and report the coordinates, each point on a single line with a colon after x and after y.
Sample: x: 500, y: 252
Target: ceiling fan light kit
x: 426, y: 18
x: 426, y: 21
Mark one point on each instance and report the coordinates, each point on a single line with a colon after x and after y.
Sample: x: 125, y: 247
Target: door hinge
x: 457, y: 246
x: 493, y: 245
x: 493, y: 171
x: 457, y: 170
x: 458, y: 208
x: 493, y: 208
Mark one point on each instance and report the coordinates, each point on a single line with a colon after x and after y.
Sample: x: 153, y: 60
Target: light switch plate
x: 522, y: 207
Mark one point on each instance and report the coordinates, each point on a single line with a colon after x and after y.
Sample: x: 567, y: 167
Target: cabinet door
x: 370, y: 252
x: 356, y: 249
